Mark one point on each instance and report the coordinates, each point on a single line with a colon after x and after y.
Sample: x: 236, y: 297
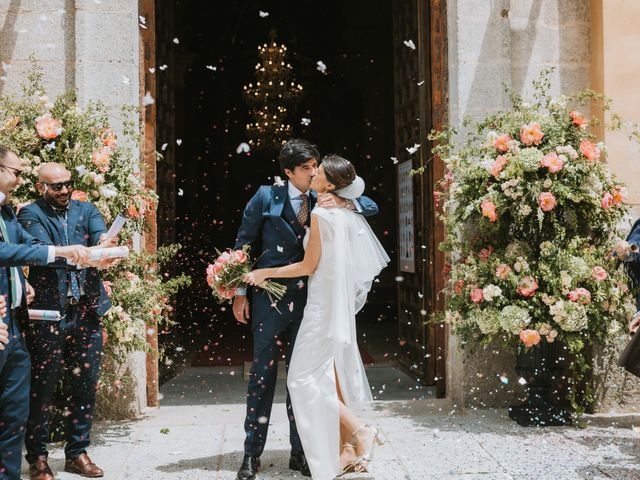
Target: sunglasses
x: 56, y: 187
x: 16, y: 171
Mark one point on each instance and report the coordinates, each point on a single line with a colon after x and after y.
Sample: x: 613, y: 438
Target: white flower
x: 513, y: 319
x: 521, y: 265
x: 108, y: 191
x: 97, y: 178
x: 547, y: 183
x: 567, y: 150
x: 525, y: 210
x: 491, y: 291
x: 566, y: 279
x: 82, y: 170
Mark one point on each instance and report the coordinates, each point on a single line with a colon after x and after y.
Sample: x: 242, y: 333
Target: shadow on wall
x: 8, y: 34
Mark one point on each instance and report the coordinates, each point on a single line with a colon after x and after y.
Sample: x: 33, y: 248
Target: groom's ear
x: 288, y: 172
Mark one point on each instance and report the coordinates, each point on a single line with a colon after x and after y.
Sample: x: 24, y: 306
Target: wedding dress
x: 326, y: 348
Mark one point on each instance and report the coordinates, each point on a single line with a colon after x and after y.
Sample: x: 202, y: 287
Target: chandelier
x: 270, y: 98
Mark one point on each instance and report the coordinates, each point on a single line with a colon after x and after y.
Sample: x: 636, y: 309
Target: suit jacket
x: 84, y: 227
x: 21, y: 250
x: 270, y: 226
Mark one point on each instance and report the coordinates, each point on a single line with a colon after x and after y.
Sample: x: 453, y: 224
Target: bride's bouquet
x: 226, y: 274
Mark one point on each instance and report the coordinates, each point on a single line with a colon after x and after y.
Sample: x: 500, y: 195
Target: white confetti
x: 126, y: 80
x: 399, y: 278
x: 152, y: 70
x: 410, y: 44
x: 263, y: 420
x: 243, y: 147
x: 142, y: 19
x: 504, y: 379
x: 180, y: 192
x: 179, y: 141
x: 212, y: 68
x: 177, y: 452
x: 420, y: 83
x: 162, y: 67
x: 148, y: 99
x: 164, y: 146
x: 522, y: 381
x: 394, y: 160
x: 291, y: 307
x: 305, y: 121
x: 263, y: 14
x: 321, y: 66
x: 176, y: 41
x: 413, y: 149
x: 278, y: 182
x: 279, y: 248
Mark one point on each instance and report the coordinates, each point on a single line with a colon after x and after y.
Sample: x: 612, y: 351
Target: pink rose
x: 497, y: 165
x: 47, y: 127
x: 502, y: 271
x: 589, y: 150
x: 607, y: 200
x: 108, y: 138
x: 619, y: 196
x: 458, y: 287
x: 485, y: 253
x: 599, y: 274
x: 476, y: 295
x: 107, y: 287
x: 553, y: 162
x: 530, y: 337
x: 240, y: 256
x: 547, y: 201
x: 531, y: 134
x: 580, y: 295
x: 576, y: 118
x: 489, y: 210
x: 101, y: 158
x: 502, y: 143
x: 527, y: 286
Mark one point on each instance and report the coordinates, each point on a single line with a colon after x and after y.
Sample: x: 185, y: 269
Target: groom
x: 274, y: 224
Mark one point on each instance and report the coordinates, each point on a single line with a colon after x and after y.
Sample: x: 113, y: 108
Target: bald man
x: 72, y: 346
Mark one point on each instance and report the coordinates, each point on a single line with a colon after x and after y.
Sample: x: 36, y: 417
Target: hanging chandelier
x: 270, y: 98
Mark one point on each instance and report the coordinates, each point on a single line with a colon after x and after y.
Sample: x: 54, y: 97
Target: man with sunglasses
x: 72, y: 346
x: 18, y: 248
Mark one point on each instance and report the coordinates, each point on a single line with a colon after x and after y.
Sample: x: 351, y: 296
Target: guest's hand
x: 4, y: 335
x: 3, y: 307
x: 31, y: 293
x: 76, y: 254
x: 106, y: 243
x: 634, y: 323
x: 255, y: 278
x: 330, y: 200
x: 241, y: 309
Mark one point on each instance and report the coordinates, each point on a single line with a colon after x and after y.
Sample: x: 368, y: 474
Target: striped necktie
x: 72, y: 276
x: 303, y: 213
x: 13, y: 276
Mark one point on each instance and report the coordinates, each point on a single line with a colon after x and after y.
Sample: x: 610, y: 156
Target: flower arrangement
x: 107, y: 172
x: 227, y: 273
x: 532, y: 215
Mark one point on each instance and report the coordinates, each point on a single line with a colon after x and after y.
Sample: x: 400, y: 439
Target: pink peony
x: 502, y: 271
x: 79, y: 195
x: 599, y: 274
x: 576, y: 118
x: 619, y: 196
x: 607, y: 200
x: 47, y: 127
x: 553, y: 162
x: 101, y: 158
x: 580, y: 295
x: 547, y: 201
x: 108, y: 138
x: 489, y: 210
x: 530, y: 337
x: 527, y: 286
x: 477, y: 296
x: 589, y: 150
x: 497, y: 165
x: 501, y: 143
x: 531, y: 134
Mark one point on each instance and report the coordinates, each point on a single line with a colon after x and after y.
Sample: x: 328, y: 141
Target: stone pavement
x: 427, y: 440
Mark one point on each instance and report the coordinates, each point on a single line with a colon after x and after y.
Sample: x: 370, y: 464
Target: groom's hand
x: 241, y: 309
x: 330, y: 200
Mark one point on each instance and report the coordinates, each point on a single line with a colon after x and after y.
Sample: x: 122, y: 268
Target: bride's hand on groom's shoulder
x: 330, y: 200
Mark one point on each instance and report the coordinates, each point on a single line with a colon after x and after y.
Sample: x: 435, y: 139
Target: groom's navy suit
x: 271, y: 227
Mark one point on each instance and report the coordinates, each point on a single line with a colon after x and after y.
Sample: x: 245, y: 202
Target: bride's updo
x: 338, y: 171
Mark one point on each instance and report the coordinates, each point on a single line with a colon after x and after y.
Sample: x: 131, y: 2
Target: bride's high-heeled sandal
x: 377, y: 439
x: 351, y: 466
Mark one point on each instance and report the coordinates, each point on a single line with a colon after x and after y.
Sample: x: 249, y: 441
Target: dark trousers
x: 73, y: 348
x: 264, y: 373
x: 14, y: 402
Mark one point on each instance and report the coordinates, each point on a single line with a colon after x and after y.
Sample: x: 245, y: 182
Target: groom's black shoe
x: 299, y: 462
x: 249, y: 468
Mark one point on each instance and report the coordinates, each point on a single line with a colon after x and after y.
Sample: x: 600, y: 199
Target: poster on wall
x: 406, y: 250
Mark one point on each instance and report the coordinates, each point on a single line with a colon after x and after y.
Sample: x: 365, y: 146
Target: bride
x: 327, y: 381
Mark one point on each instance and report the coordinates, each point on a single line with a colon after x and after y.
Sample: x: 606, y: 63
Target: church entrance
x: 359, y: 75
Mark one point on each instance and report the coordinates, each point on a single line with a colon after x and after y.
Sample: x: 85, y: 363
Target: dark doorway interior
x: 204, y: 184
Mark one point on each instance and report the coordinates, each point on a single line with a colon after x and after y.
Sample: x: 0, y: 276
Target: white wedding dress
x: 326, y: 344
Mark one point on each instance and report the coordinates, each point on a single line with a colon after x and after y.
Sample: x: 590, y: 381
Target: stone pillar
x: 491, y: 43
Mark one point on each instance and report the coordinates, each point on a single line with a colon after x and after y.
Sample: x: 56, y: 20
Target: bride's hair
x: 338, y: 171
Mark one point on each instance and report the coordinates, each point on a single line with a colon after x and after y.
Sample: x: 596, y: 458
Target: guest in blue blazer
x: 72, y: 346
x: 274, y: 224
x: 18, y: 248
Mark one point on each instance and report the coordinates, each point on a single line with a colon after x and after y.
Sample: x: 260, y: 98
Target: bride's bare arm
x: 301, y: 269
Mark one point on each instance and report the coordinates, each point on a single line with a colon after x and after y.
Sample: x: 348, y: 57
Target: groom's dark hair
x: 296, y: 152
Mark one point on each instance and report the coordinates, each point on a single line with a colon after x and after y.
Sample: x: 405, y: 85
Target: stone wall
x: 87, y: 45
x: 490, y: 43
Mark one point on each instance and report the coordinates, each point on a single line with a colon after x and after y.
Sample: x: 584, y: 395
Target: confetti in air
x: 176, y: 41
x: 126, y: 80
x: 180, y: 192
x: 394, y: 160
x: 148, y: 100
x: 162, y: 67
x: 243, y: 148
x: 410, y: 44
x: 164, y: 146
x: 179, y: 141
x: 305, y: 121
x: 413, y: 149
x: 263, y: 14
x: 278, y: 182
x: 212, y: 68
x: 322, y: 68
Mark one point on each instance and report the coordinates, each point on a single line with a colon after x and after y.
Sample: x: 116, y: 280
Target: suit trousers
x: 14, y: 402
x: 69, y: 351
x: 273, y: 330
